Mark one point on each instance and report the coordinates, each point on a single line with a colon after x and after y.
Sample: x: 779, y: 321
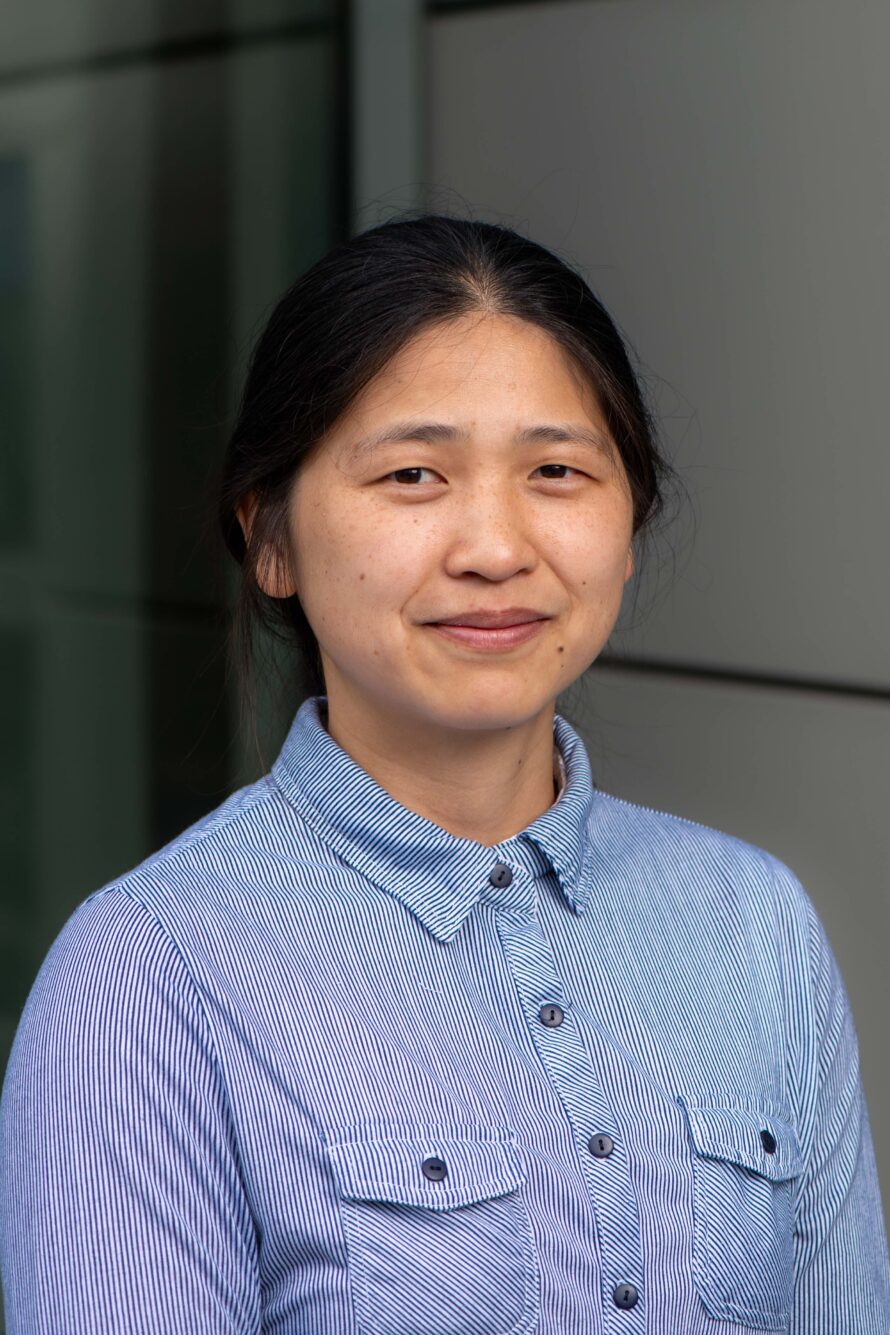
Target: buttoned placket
x: 511, y: 891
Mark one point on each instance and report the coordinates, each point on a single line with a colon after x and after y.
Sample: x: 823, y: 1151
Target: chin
x: 471, y: 709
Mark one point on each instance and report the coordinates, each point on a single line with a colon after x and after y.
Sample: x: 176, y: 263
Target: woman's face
x: 490, y: 485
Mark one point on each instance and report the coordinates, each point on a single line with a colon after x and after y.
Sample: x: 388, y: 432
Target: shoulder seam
x: 196, y: 993
x: 168, y: 936
x: 178, y: 953
x: 677, y: 819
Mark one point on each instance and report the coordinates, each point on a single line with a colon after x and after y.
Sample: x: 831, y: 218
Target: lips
x: 478, y: 617
x: 488, y: 638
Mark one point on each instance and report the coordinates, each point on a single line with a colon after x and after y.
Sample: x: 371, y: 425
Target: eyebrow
x: 557, y: 433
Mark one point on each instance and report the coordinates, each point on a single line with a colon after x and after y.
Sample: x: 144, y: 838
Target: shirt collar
x: 437, y: 875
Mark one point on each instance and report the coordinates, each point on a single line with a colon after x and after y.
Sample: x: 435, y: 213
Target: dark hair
x: 338, y: 325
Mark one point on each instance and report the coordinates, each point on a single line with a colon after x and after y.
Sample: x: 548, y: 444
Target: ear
x: 245, y: 511
x: 273, y: 581
x: 629, y: 566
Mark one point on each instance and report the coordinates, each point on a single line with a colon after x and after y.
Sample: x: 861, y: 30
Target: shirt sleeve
x: 842, y: 1271
x: 121, y: 1203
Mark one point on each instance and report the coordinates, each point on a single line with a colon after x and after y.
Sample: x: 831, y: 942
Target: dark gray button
x: 601, y: 1146
x: 625, y: 1296
x: 500, y: 875
x: 433, y: 1168
x: 768, y: 1140
x: 551, y: 1015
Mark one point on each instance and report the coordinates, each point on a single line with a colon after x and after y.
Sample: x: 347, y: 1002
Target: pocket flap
x: 748, y: 1137
x: 385, y: 1164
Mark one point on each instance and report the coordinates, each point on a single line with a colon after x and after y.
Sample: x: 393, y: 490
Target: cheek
x: 355, y: 562
x: 322, y: 545
x: 597, y: 569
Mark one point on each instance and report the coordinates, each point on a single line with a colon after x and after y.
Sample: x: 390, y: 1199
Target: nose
x: 490, y: 536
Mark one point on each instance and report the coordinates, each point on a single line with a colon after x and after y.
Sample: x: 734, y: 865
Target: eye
x: 407, y: 475
x: 564, y: 467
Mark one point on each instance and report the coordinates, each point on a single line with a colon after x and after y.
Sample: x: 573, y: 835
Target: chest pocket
x: 744, y: 1163
x: 443, y: 1252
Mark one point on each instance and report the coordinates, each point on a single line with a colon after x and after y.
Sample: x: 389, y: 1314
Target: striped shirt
x: 319, y: 1065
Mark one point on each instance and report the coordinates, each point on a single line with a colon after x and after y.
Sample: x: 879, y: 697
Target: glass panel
x: 43, y: 34
x: 191, y: 758
x: 172, y: 204
x: 149, y: 215
x: 92, y: 745
x: 15, y: 348
x: 18, y: 813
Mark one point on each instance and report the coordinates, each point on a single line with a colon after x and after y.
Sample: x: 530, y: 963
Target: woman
x: 422, y: 1033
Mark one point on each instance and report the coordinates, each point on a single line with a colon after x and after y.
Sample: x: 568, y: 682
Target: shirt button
x: 601, y: 1146
x: 433, y: 1168
x: 551, y: 1015
x: 768, y: 1141
x: 500, y: 875
x: 625, y: 1296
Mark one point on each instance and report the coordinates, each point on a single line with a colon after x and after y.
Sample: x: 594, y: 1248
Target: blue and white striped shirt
x: 319, y: 1065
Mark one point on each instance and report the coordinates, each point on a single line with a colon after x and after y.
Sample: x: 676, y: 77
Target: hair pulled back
x: 339, y: 324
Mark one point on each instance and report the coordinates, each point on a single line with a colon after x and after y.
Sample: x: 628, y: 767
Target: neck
x: 485, y: 785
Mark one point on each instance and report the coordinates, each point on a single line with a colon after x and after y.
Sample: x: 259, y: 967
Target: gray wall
x: 721, y: 171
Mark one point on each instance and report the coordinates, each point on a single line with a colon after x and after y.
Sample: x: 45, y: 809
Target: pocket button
x: 768, y: 1141
x: 434, y: 1169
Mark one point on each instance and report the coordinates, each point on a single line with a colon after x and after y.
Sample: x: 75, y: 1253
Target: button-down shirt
x: 319, y: 1065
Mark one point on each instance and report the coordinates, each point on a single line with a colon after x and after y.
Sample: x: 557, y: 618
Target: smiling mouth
x: 498, y: 638
x: 483, y: 617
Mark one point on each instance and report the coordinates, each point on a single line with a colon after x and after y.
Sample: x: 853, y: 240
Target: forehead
x: 492, y: 370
